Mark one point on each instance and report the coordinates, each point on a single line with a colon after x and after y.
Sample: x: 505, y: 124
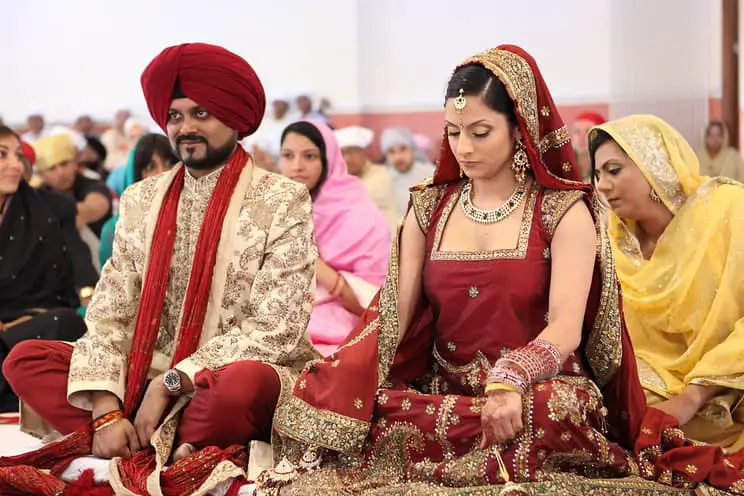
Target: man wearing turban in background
x: 579, y: 134
x: 200, y: 316
x: 409, y: 165
x: 354, y: 141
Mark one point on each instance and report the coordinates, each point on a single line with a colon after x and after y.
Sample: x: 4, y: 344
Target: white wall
x: 85, y: 56
x: 661, y: 61
x: 76, y: 56
x: 410, y: 47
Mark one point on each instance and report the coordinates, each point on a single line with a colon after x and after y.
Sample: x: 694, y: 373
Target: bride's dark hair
x: 476, y: 80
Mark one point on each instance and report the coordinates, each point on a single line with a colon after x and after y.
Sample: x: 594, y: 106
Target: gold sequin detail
x: 566, y: 436
x: 430, y: 409
x: 604, y: 349
x: 545, y: 111
x: 555, y: 203
x: 405, y: 405
x: 473, y: 292
x: 451, y: 346
x: 425, y: 199
x: 566, y: 166
x: 546, y: 253
x: 358, y: 403
x: 554, y: 139
x: 303, y: 384
x: 383, y: 398
x: 691, y: 469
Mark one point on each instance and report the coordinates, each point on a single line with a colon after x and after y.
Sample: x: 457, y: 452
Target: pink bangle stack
x: 537, y: 361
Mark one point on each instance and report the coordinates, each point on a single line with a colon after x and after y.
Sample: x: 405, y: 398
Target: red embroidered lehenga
x: 381, y: 416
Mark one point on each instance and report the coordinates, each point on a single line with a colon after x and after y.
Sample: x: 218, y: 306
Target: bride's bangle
x: 497, y: 386
x: 502, y: 373
x: 539, y: 360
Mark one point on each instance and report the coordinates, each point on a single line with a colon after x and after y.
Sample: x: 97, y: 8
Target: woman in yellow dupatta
x: 678, y: 240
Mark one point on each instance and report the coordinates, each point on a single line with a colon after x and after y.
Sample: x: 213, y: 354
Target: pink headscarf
x: 352, y: 234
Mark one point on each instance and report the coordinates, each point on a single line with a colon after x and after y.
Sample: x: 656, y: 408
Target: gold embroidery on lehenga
x: 471, y: 374
x: 508, y: 253
x: 566, y: 404
x: 443, y: 421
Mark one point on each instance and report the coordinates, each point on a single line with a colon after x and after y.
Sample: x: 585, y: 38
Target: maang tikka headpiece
x: 460, y: 102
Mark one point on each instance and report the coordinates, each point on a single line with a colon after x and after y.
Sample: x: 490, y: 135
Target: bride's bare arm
x: 411, y: 264
x: 572, y: 253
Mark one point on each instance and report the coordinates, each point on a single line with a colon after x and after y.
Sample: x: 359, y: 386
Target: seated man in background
x: 354, y: 141
x: 58, y: 169
x: 409, y: 165
x: 37, y: 287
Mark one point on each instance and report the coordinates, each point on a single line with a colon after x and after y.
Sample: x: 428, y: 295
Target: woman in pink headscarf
x: 352, y: 235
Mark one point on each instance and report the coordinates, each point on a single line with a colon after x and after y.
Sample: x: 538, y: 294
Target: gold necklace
x: 482, y: 216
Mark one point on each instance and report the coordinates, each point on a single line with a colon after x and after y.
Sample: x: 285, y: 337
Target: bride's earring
x: 520, y: 162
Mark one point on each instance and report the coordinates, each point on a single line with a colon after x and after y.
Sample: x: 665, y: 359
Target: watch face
x: 172, y: 380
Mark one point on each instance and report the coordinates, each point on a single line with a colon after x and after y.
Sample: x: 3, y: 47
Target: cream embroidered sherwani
x: 260, y: 299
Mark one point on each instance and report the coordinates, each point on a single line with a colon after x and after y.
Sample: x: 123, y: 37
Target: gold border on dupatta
x: 316, y: 427
x: 604, y: 348
x: 297, y: 420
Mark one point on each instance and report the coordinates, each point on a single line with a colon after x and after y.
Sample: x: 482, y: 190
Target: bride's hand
x: 501, y: 417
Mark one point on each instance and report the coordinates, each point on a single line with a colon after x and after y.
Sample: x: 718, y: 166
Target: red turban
x: 28, y: 152
x: 217, y: 79
x: 592, y: 117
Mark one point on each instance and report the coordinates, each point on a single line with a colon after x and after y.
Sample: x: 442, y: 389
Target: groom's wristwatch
x: 172, y: 382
